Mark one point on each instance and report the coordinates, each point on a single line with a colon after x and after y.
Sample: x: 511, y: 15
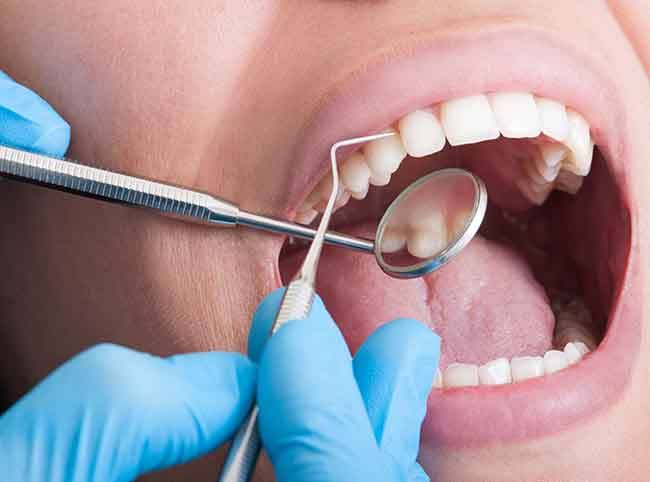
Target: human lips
x: 515, y: 59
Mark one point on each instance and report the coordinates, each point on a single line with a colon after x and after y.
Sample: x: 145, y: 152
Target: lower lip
x: 479, y: 416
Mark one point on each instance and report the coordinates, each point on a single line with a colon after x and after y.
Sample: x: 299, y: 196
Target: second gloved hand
x: 327, y: 417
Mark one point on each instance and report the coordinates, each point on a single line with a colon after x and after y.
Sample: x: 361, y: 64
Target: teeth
x: 516, y: 114
x: 380, y: 179
x: 461, y: 375
x: 568, y: 182
x: 306, y: 217
x: 554, y: 361
x: 580, y: 143
x: 421, y: 133
x: 575, y: 351
x: 437, y: 379
x: 468, y: 120
x: 526, y: 367
x: 495, y: 372
x: 504, y: 372
x: 553, y: 154
x: 384, y: 155
x: 582, y: 348
x: 429, y: 235
x: 393, y: 241
x: 458, y: 224
x: 553, y: 119
x: 355, y: 175
x: 535, y: 193
x: 564, y: 158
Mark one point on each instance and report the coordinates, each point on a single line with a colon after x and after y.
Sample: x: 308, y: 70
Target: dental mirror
x: 430, y: 222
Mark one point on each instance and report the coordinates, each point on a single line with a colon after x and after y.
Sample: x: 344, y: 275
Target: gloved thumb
x: 111, y: 414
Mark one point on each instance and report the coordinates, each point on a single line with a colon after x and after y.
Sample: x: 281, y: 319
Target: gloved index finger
x: 312, y: 418
x: 28, y: 122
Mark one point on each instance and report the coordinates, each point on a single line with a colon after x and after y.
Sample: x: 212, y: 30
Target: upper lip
x: 464, y: 60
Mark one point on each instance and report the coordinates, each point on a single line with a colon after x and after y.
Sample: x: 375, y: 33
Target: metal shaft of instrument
x: 296, y: 305
x: 188, y: 205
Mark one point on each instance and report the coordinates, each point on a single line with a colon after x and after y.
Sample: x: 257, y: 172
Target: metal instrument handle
x: 245, y: 447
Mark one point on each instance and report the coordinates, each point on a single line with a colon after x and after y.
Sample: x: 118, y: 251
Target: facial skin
x: 214, y: 95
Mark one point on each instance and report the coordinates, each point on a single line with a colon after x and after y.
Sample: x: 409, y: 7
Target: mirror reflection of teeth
x: 562, y: 158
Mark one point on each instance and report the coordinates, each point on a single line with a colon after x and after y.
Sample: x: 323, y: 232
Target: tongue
x: 485, y: 304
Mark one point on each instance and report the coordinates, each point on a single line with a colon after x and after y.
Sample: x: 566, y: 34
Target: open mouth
x: 530, y: 312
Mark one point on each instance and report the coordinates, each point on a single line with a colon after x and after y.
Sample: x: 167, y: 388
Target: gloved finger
x: 112, y: 413
x: 28, y: 122
x: 262, y: 322
x: 417, y: 474
x: 394, y: 369
x: 311, y: 415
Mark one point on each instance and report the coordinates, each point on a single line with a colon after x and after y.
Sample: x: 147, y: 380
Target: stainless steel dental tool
x: 296, y: 305
x: 456, y: 194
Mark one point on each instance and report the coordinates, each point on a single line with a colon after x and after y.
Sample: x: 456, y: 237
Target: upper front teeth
x: 516, y: 114
x: 562, y: 158
x: 468, y: 120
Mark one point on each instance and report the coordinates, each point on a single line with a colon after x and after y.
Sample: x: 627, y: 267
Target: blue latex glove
x: 111, y: 414
x: 28, y: 122
x: 327, y: 417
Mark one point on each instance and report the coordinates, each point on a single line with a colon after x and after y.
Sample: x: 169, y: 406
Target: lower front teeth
x: 503, y: 371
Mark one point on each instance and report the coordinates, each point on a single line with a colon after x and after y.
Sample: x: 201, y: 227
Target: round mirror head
x: 430, y: 222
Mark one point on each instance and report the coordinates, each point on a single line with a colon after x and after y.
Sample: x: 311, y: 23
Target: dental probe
x: 188, y: 205
x: 296, y: 305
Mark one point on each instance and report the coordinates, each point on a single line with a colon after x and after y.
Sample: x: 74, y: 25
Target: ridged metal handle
x: 246, y: 445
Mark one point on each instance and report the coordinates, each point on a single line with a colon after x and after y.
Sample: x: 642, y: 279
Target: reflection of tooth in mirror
x: 426, y: 243
x: 434, y: 218
x: 459, y: 222
x: 394, y: 240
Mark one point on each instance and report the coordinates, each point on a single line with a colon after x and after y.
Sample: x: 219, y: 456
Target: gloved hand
x: 326, y: 417
x: 111, y: 414
x: 28, y: 122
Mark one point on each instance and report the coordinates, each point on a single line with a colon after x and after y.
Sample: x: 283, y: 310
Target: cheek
x: 634, y: 18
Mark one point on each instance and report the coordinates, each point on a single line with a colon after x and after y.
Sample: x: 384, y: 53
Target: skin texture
x: 196, y: 96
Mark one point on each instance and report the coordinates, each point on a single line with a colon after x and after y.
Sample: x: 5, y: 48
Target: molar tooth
x: 553, y: 118
x: 516, y: 114
x: 393, y: 240
x: 427, y: 234
x: 467, y: 120
x: 568, y: 182
x: 355, y: 175
x: 554, y: 361
x: 360, y: 195
x: 425, y: 243
x: 458, y: 224
x: 437, y: 379
x: 553, y: 154
x: 306, y: 217
x: 495, y: 372
x: 525, y: 367
x: 580, y: 143
x: 421, y: 133
x: 461, y: 375
x: 384, y: 155
x: 380, y: 179
x: 582, y: 347
x: 548, y: 173
x: 535, y: 193
x: 573, y: 354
